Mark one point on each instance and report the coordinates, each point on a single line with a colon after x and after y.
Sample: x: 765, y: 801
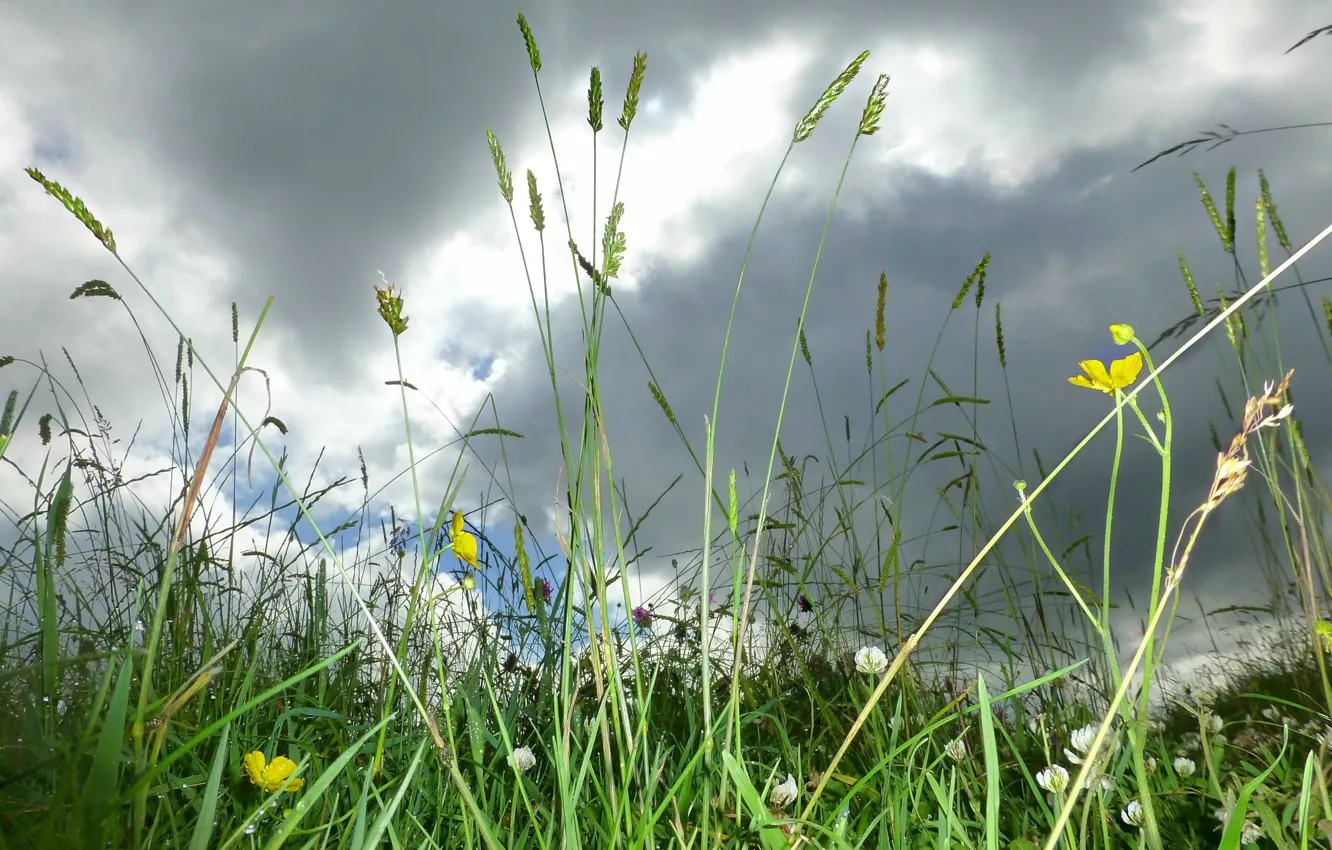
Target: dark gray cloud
x: 302, y: 149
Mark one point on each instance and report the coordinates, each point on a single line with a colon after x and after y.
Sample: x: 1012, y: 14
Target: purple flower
x: 803, y: 603
x: 545, y: 590
x: 642, y: 617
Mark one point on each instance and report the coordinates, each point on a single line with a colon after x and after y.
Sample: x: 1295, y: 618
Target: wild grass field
x: 391, y: 682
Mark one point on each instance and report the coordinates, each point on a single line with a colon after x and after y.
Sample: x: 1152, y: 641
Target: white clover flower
x: 784, y: 794
x: 956, y: 749
x: 896, y: 723
x: 1036, y: 723
x: 870, y: 659
x: 1185, y: 766
x: 1251, y: 833
x: 1102, y: 783
x: 1149, y: 765
x: 1272, y: 713
x: 522, y: 759
x: 1325, y: 737
x: 1054, y: 778
x: 1214, y: 722
x: 1081, y: 739
x: 1132, y: 814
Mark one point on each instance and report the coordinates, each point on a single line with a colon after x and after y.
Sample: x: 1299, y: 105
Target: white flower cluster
x: 871, y: 660
x: 522, y: 759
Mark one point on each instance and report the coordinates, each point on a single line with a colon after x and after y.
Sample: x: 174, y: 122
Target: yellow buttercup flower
x: 1122, y: 373
x: 464, y: 544
x: 273, y: 775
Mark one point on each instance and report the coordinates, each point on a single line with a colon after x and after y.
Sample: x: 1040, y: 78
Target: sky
x: 296, y: 152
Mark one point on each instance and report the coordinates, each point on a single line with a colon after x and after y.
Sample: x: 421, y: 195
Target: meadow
x: 399, y: 680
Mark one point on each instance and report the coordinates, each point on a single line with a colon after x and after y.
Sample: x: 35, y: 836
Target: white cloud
x: 680, y: 175
x: 957, y: 105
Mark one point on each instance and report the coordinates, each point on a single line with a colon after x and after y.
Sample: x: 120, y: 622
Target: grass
x: 166, y: 684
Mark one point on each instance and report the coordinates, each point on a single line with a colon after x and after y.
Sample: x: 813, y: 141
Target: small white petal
x: 785, y: 793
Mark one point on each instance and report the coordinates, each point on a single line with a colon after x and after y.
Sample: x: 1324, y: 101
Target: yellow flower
x: 273, y: 775
x: 464, y: 544
x: 1122, y: 374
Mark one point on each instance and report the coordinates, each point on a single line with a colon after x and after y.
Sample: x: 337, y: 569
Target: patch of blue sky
x: 482, y: 367
x: 52, y: 148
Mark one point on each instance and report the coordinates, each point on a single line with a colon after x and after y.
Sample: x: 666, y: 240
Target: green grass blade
x: 1306, y: 797
x: 991, y: 767
x: 362, y: 803
x: 101, y: 786
x: 761, y: 817
x: 203, y: 827
x: 382, y: 822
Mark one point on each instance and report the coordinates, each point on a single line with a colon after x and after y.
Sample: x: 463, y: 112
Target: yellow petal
x: 1124, y: 372
x: 457, y: 523
x: 464, y: 546
x: 254, y: 767
x: 1080, y: 381
x: 1097, y: 378
x: 281, y: 767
